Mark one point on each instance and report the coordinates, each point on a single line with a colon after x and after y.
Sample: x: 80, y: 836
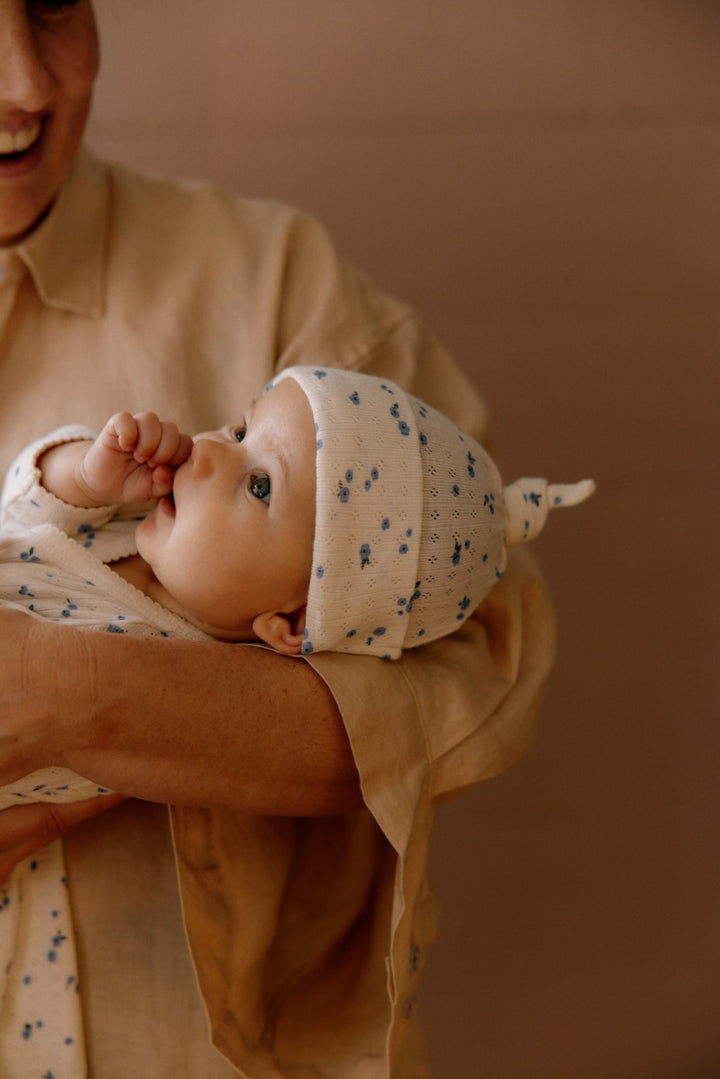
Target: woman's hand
x: 25, y: 829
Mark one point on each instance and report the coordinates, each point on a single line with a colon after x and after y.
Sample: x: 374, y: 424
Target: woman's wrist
x: 58, y: 692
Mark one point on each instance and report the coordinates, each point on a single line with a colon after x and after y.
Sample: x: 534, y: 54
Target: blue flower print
x: 463, y: 605
x: 343, y: 492
x: 395, y: 413
x: 320, y: 374
x: 29, y: 555
x: 471, y: 465
x: 385, y: 524
x: 456, y: 554
x: 355, y: 397
x: 405, y: 605
x: 488, y: 501
x: 534, y: 497
x: 89, y: 533
x: 455, y: 490
x: 364, y: 555
x: 374, y: 476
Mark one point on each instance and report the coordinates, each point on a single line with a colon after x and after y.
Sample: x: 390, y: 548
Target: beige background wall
x: 542, y: 179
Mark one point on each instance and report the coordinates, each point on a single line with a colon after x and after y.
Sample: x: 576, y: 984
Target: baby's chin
x: 239, y: 632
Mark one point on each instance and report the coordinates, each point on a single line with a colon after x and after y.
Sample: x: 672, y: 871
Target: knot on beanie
x: 527, y: 503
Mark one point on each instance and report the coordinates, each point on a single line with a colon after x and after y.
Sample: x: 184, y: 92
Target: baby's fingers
x: 124, y: 429
x: 174, y: 447
x: 149, y: 436
x: 160, y: 442
x: 163, y: 478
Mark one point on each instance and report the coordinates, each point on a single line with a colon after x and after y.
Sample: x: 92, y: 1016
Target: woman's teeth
x: 20, y: 141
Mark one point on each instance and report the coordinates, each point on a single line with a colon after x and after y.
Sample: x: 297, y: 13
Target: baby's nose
x: 203, y: 457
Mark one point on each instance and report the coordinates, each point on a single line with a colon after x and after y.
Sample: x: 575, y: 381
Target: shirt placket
x: 12, y: 269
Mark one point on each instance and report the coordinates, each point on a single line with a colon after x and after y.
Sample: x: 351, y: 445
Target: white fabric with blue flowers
x: 412, y: 521
x: 56, y: 571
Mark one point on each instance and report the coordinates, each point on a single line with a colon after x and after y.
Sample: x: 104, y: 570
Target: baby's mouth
x: 14, y: 144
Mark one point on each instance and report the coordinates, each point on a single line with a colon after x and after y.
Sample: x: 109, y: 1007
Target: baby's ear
x: 283, y: 632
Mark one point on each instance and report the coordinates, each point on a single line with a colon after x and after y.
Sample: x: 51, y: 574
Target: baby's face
x: 235, y: 539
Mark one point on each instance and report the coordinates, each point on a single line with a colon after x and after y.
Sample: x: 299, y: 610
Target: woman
x: 302, y: 814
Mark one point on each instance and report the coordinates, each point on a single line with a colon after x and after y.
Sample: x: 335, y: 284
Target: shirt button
x: 410, y: 1007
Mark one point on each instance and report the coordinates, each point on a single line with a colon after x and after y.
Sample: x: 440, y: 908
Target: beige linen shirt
x: 307, y: 937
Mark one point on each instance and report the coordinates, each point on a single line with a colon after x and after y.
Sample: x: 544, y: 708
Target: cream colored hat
x: 412, y: 519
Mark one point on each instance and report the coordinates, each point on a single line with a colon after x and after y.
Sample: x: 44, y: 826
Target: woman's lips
x: 21, y: 151
x: 17, y: 142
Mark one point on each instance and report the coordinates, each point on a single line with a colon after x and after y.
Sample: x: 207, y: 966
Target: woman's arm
x: 210, y: 725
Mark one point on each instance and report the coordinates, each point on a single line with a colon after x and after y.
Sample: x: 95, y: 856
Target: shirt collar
x: 65, y: 254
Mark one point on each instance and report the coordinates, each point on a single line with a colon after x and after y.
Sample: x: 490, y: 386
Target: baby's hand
x: 133, y: 459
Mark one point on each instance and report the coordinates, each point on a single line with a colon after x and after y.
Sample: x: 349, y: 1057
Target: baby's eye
x: 239, y: 433
x: 260, y: 487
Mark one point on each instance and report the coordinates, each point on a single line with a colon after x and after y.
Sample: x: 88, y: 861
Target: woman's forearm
x: 210, y: 725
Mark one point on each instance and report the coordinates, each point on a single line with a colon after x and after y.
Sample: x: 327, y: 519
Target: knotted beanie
x: 412, y: 520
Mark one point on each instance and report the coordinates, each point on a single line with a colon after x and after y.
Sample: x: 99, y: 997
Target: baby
x: 341, y: 514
